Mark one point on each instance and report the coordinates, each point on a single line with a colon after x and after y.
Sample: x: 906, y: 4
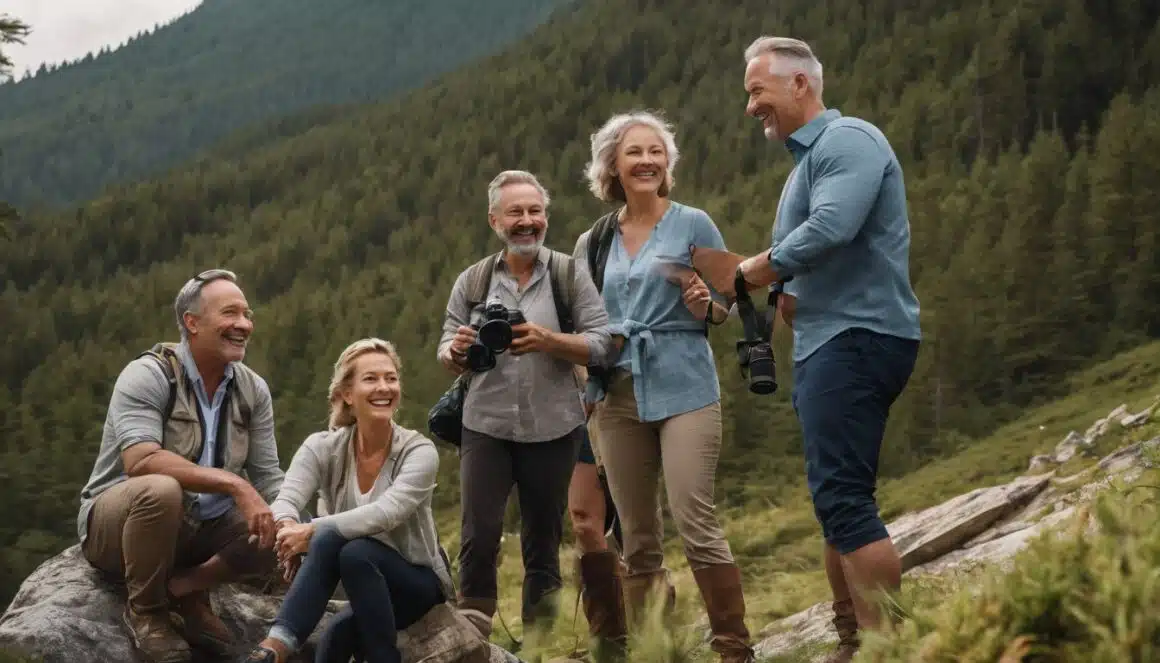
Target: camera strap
x: 756, y: 325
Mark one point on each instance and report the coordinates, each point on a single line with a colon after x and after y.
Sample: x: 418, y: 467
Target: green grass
x: 779, y: 547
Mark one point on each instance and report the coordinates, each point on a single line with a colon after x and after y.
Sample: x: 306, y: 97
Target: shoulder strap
x: 562, y: 271
x: 599, y: 243
x: 479, y: 280
x: 167, y: 358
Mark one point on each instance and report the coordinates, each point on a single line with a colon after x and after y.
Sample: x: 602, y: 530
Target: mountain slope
x: 126, y: 114
x: 1034, y: 234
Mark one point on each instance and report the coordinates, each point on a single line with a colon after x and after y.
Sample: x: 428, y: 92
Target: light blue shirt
x: 843, y: 233
x: 207, y: 505
x: 666, y: 348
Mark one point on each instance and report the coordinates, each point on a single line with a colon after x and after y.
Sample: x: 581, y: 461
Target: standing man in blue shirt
x: 842, y: 241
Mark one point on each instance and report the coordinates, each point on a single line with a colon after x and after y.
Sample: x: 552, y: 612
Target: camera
x: 493, y: 335
x: 754, y: 352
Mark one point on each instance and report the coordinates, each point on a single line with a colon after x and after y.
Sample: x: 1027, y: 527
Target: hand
x: 786, y: 304
x: 294, y: 540
x: 696, y: 295
x: 257, y: 513
x: 457, y: 350
x: 530, y: 337
x: 290, y: 568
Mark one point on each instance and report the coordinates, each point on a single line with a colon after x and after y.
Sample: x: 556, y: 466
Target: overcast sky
x: 67, y: 29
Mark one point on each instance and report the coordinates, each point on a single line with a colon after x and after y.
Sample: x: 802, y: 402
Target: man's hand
x: 256, y: 512
x: 294, y: 540
x: 530, y: 337
x: 786, y: 304
x: 457, y: 351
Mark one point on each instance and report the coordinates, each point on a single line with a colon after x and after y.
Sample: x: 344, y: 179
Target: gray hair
x: 792, y: 55
x: 600, y: 171
x: 513, y: 177
x: 189, y: 297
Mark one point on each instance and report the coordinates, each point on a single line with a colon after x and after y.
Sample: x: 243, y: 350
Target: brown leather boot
x: 640, y: 589
x: 154, y: 636
x: 720, y: 587
x: 601, y: 593
x: 479, y: 612
x: 200, y: 626
x: 846, y: 624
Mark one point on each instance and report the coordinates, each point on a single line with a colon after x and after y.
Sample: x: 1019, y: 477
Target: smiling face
x: 222, y: 327
x: 520, y: 218
x: 777, y: 100
x: 374, y: 390
x: 642, y: 162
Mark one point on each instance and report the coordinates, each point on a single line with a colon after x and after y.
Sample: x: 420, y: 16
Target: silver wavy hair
x: 601, y: 170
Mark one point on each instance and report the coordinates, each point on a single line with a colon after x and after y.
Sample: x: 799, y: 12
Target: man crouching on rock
x: 166, y: 507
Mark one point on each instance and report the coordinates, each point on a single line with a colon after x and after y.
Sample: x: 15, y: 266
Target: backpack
x: 445, y: 418
x: 170, y: 364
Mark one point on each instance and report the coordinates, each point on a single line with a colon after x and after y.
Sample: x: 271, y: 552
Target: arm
x: 413, y: 484
x: 616, y: 341
x: 301, y: 483
x: 455, y: 316
x: 592, y: 343
x: 262, y: 461
x: 707, y: 234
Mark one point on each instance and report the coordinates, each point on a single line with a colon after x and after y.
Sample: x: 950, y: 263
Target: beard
x: 521, y: 248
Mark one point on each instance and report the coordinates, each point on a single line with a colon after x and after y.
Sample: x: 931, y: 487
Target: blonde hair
x: 600, y: 171
x: 341, y: 413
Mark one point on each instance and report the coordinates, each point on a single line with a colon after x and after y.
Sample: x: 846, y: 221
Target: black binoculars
x: 493, y: 336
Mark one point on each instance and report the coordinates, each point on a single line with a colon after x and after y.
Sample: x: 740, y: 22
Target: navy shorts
x: 842, y: 395
x: 586, y: 455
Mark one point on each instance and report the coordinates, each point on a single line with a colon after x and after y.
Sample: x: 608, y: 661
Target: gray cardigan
x: 399, y: 512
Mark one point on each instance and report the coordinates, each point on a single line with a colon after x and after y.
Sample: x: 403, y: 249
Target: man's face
x: 223, y: 327
x: 773, y: 99
x: 519, y: 219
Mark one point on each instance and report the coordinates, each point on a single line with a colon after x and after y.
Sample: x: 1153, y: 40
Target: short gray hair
x: 795, y: 52
x: 599, y: 172
x: 514, y: 177
x: 189, y: 297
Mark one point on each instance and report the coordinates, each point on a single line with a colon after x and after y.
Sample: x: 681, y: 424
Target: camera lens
x: 479, y: 358
x: 496, y: 335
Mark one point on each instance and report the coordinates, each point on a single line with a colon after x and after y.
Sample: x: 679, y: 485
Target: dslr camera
x: 493, y: 335
x: 754, y: 352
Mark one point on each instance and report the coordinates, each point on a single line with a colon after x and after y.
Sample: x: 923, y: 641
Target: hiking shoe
x: 154, y: 636
x: 200, y: 626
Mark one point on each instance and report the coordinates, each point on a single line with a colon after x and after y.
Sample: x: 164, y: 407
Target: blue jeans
x: 386, y: 593
x: 842, y: 395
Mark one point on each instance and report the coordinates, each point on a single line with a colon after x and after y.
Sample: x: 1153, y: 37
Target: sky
x: 68, y: 29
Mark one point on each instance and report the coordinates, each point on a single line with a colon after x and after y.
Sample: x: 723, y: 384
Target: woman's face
x: 641, y: 161
x: 375, y: 390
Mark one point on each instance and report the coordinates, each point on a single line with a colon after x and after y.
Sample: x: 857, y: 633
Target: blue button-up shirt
x: 207, y: 505
x: 843, y: 234
x: 665, y: 345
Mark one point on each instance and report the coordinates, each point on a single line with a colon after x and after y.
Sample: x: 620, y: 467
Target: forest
x: 69, y: 130
x: 1029, y: 133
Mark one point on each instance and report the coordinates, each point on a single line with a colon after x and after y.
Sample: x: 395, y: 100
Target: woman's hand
x: 293, y: 540
x: 696, y: 295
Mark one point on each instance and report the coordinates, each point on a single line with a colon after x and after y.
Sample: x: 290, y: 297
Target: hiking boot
x: 640, y: 589
x: 846, y: 624
x: 479, y: 612
x: 154, y: 636
x: 720, y: 587
x: 200, y: 626
x: 602, y: 596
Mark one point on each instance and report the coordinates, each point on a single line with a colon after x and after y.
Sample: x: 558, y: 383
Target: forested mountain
x: 1029, y: 133
x: 118, y: 116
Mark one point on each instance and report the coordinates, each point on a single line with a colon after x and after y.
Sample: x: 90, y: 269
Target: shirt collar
x: 806, y: 134
x: 185, y: 354
x: 541, y: 259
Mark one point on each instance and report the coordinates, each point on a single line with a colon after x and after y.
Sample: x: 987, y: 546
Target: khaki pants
x: 634, y: 453
x: 138, y: 531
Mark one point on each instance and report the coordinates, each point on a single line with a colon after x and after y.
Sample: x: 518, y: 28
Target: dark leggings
x: 387, y: 593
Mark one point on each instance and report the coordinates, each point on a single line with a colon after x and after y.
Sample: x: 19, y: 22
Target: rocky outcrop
x: 987, y: 525
x: 65, y: 612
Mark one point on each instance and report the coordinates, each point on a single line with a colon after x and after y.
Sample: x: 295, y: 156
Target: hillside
x: 1034, y: 231
x: 117, y: 116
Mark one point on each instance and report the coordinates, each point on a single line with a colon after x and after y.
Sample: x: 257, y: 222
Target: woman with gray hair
x: 375, y: 531
x: 659, y: 402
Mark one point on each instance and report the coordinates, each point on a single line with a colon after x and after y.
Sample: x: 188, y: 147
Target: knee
x: 849, y: 521
x: 326, y: 540
x: 355, y: 558
x: 160, y: 492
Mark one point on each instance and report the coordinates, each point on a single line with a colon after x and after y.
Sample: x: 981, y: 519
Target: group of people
x: 609, y: 382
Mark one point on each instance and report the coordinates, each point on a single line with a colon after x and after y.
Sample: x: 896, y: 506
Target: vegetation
x: 1028, y: 133
x: 68, y: 130
x: 12, y: 31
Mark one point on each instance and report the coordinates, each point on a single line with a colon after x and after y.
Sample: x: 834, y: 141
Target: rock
x: 1069, y: 446
x: 1041, y: 463
x: 1141, y: 417
x: 1101, y: 426
x: 65, y: 611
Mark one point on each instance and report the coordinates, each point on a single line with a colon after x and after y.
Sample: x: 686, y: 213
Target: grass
x: 778, y: 547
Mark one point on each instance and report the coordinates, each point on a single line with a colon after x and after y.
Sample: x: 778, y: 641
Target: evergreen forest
x: 1029, y: 132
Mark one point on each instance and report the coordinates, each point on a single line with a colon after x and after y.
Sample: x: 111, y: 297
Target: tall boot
x: 720, y: 587
x: 846, y: 624
x: 640, y: 589
x: 479, y: 612
x: 601, y: 594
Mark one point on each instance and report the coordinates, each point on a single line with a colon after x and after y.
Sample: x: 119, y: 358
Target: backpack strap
x: 170, y: 363
x: 562, y: 271
x: 599, y: 244
x: 479, y: 280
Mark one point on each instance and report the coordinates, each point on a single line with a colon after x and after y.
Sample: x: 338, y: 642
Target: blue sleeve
x: 846, y: 176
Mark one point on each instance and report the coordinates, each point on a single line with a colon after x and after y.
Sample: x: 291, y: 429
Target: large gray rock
x: 66, y: 612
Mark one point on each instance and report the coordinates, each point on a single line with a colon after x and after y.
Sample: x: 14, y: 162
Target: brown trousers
x: 138, y: 532
x: 635, y: 453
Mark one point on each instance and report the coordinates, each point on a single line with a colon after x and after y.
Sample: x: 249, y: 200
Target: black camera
x: 754, y: 352
x: 493, y: 336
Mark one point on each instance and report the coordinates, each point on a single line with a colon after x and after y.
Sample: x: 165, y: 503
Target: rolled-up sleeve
x: 262, y: 465
x: 137, y: 404
x: 846, y: 170
x: 588, y: 310
x: 454, y: 316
